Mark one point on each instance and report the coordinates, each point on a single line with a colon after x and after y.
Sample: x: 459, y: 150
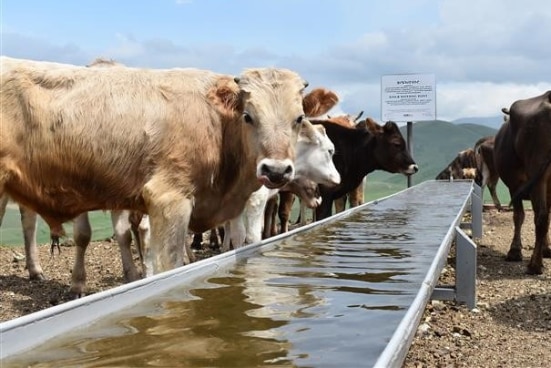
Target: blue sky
x: 484, y: 53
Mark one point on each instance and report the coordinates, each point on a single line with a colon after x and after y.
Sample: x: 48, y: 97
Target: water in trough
x: 331, y: 296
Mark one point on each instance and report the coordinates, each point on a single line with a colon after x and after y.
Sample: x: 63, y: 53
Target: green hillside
x: 435, y: 144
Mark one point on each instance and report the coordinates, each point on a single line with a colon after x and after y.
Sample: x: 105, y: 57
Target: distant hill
x: 435, y: 144
x: 492, y: 121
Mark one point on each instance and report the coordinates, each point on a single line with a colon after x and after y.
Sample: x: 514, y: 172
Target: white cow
x: 314, y: 165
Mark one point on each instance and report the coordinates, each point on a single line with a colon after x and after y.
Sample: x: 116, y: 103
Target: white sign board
x: 408, y: 97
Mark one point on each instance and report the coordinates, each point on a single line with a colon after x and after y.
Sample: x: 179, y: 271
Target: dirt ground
x: 511, y: 326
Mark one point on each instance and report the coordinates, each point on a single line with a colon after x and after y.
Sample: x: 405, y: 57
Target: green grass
x: 11, y: 231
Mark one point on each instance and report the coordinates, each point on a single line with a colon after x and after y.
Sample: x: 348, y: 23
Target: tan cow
x: 185, y: 146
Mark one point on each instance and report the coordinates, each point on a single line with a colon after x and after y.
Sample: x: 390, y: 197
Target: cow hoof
x: 37, y: 277
x: 534, y: 270
x: 73, y: 295
x: 514, y: 256
x: 196, y: 245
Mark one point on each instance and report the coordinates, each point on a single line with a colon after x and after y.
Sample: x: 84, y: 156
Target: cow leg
x: 143, y: 241
x: 340, y: 203
x: 169, y: 212
x: 286, y: 200
x: 29, y: 221
x: 302, y: 215
x: 197, y: 242
x: 234, y: 233
x: 215, y: 238
x: 356, y: 196
x: 256, y: 214
x: 515, y: 250
x: 495, y: 199
x: 541, y: 224
x: 324, y: 210
x: 269, y: 217
x: 82, y: 233
x: 123, y: 236
x: 3, y: 204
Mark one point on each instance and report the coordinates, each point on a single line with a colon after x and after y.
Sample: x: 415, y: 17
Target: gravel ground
x: 511, y: 326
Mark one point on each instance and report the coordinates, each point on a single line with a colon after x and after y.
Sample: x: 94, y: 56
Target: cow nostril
x: 415, y: 168
x: 264, y: 169
x: 288, y: 170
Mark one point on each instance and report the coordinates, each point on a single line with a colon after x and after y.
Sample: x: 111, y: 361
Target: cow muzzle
x: 274, y: 174
x: 412, y: 169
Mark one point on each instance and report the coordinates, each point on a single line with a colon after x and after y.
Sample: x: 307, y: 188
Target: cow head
x: 307, y: 190
x: 273, y: 111
x: 315, y: 153
x: 391, y: 151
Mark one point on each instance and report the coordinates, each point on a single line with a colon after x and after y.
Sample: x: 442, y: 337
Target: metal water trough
x: 20, y: 335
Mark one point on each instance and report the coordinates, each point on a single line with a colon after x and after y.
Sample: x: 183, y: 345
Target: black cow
x: 360, y: 151
x: 522, y: 155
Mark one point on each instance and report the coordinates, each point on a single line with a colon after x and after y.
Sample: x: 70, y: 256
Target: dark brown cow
x: 360, y: 151
x: 523, y: 157
x: 486, y: 173
x: 463, y: 166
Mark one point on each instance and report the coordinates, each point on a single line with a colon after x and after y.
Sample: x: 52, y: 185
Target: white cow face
x: 315, y: 156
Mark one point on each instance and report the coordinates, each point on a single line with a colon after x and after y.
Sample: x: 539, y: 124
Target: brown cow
x: 522, y: 154
x: 186, y: 146
x: 486, y: 169
x: 124, y: 224
x: 463, y: 166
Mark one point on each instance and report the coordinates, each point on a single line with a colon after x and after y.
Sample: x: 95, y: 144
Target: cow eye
x: 300, y: 119
x: 331, y: 152
x: 247, y: 117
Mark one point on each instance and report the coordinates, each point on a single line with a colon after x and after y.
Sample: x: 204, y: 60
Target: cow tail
x: 525, y: 190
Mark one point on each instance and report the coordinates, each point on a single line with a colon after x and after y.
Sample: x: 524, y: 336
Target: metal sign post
x: 408, y: 98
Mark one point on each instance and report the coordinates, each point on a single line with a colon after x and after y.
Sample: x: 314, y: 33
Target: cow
x: 360, y: 151
x: 463, y: 166
x: 356, y: 196
x: 124, y: 224
x: 487, y: 174
x: 522, y: 155
x: 314, y: 165
x: 185, y: 146
x: 286, y: 199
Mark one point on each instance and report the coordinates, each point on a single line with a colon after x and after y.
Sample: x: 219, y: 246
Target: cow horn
x: 236, y: 80
x: 505, y: 110
x: 359, y: 116
x: 305, y: 83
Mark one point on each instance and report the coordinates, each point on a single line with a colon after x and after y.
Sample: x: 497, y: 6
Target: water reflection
x: 314, y: 299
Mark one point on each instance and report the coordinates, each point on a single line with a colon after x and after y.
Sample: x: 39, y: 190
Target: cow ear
x: 372, y: 126
x: 390, y: 127
x: 226, y: 97
x: 307, y: 132
x: 319, y: 101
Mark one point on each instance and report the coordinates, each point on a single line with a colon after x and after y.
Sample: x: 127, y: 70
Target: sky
x: 484, y: 54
